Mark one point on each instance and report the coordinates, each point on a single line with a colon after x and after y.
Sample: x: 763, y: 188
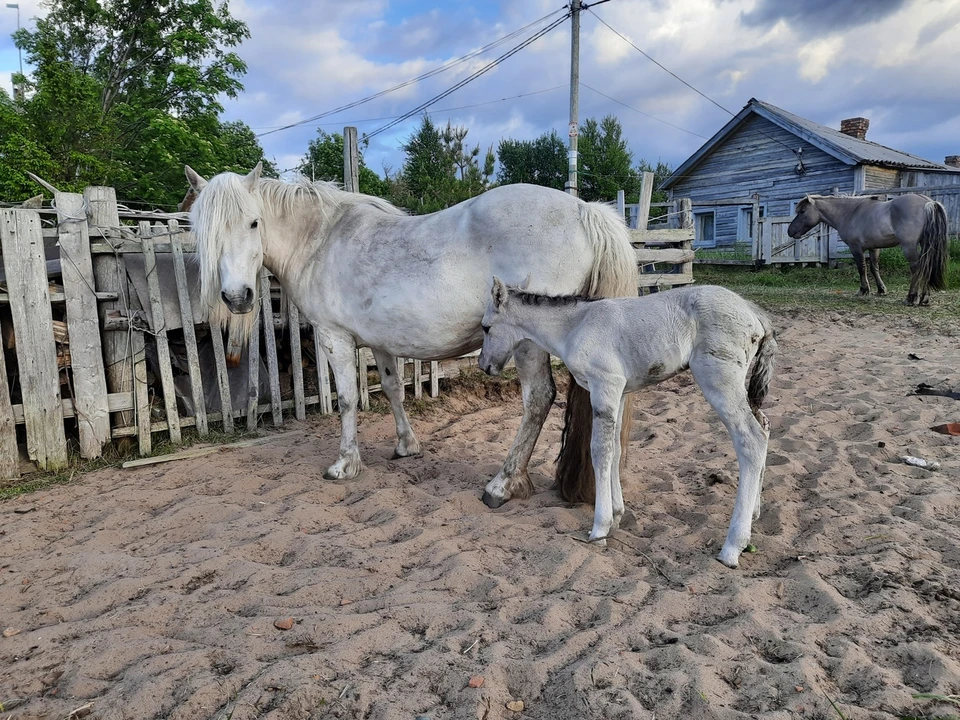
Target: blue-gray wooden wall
x: 758, y: 158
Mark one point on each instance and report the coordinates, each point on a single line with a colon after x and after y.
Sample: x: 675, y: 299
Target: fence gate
x: 776, y: 247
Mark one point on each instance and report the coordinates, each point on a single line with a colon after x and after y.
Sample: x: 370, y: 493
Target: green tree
x: 605, y: 163
x: 324, y: 161
x: 541, y: 162
x: 439, y: 170
x: 125, y: 92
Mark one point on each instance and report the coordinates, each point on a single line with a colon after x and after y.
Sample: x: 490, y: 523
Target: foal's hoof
x: 397, y: 455
x: 492, y: 502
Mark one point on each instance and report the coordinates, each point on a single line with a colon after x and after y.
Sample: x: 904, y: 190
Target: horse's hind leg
x: 536, y: 380
x: 341, y: 351
x: 875, y: 271
x: 616, y: 489
x: 722, y: 383
x: 861, y: 268
x: 607, y: 402
x: 391, y: 379
x: 916, y: 294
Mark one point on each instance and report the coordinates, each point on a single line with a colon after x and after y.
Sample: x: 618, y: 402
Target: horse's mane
x: 225, y: 199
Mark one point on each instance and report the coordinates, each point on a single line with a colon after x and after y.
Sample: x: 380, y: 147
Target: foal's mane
x: 528, y: 298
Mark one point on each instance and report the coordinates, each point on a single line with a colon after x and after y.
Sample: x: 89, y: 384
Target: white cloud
x: 816, y: 57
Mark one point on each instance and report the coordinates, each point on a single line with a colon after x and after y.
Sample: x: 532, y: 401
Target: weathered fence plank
x: 223, y: 378
x: 253, y: 373
x: 189, y: 332
x: 296, y: 362
x: 141, y: 390
x: 26, y: 271
x: 417, y: 379
x: 160, y: 333
x: 83, y: 322
x: 270, y: 345
x: 323, y: 376
x: 110, y: 272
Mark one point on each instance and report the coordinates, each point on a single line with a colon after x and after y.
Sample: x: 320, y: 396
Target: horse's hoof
x: 397, y: 455
x: 492, y: 502
x: 730, y: 559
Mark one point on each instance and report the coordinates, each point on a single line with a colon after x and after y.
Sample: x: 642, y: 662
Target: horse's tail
x: 932, y: 269
x: 613, y: 274
x: 763, y: 365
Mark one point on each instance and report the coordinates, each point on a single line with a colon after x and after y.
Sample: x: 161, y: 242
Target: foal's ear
x: 498, y: 293
x: 250, y: 179
x: 193, y: 177
x: 525, y: 284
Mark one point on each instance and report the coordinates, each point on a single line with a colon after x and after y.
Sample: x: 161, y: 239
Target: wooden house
x: 766, y: 159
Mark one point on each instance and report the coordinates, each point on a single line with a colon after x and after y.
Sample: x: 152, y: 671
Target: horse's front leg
x: 341, y: 351
x: 862, y: 269
x: 875, y: 271
x: 605, y: 450
x: 616, y: 489
x: 391, y: 379
x: 536, y: 380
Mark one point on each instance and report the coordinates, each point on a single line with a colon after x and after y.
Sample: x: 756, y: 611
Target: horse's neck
x: 549, y: 325
x: 292, y: 237
x: 837, y: 211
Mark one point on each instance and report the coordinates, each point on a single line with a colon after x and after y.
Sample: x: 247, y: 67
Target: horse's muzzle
x: 238, y: 303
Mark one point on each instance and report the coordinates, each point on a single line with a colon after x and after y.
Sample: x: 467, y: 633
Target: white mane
x: 224, y: 201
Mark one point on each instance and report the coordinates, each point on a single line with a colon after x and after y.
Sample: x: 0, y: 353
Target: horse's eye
x: 254, y: 224
x: 486, y: 329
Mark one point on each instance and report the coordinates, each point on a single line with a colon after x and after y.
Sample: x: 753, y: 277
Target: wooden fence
x: 65, y: 336
x: 80, y: 352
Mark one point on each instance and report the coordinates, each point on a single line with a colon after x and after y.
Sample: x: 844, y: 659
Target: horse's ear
x: 498, y: 293
x: 194, y: 178
x: 250, y: 179
x: 525, y: 284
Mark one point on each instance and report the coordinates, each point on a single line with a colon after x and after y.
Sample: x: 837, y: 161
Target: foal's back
x: 649, y: 339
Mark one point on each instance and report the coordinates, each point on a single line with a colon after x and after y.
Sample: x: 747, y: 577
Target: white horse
x: 613, y: 347
x: 366, y: 274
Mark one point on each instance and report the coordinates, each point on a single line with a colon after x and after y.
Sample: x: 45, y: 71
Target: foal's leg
x: 722, y: 383
x: 875, y: 271
x: 607, y: 401
x: 616, y: 490
x: 341, y: 351
x: 857, y: 253
x: 536, y: 380
x: 391, y: 380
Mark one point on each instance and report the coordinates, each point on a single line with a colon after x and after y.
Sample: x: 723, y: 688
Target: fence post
x: 686, y: 213
x: 766, y: 241
x: 83, y: 322
x: 646, y: 192
x: 110, y: 272
x: 622, y: 206
x: 26, y: 270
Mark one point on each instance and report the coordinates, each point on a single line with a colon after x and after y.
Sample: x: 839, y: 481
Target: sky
x: 895, y: 62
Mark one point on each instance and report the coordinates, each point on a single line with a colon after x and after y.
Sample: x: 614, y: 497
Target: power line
x: 440, y: 110
x: 486, y: 68
x: 701, y: 94
x: 652, y: 117
x: 411, y: 81
x: 667, y: 70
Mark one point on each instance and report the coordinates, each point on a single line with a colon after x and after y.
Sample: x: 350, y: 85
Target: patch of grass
x: 813, y: 291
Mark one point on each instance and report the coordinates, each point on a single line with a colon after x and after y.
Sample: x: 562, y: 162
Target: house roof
x: 845, y: 148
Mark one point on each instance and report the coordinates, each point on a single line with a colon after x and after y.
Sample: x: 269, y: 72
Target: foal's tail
x: 613, y: 274
x: 763, y: 365
x: 933, y: 249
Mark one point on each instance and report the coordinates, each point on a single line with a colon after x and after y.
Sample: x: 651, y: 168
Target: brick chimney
x: 952, y: 161
x: 855, y: 127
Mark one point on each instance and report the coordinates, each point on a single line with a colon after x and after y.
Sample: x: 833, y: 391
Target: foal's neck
x: 549, y: 322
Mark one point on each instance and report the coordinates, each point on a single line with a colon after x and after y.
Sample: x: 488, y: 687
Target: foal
x: 616, y: 346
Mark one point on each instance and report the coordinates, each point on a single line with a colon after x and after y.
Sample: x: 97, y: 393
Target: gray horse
x: 917, y: 223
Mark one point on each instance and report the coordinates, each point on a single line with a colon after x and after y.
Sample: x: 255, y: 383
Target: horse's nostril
x: 223, y: 296
x: 248, y: 295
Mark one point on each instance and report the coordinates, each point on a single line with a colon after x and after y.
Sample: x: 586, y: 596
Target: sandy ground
x: 153, y: 593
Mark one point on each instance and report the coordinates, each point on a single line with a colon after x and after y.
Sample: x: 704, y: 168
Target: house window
x: 745, y: 224
x: 704, y: 227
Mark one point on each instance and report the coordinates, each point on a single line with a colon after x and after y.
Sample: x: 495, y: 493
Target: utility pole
x: 571, y: 185
x: 16, y: 6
